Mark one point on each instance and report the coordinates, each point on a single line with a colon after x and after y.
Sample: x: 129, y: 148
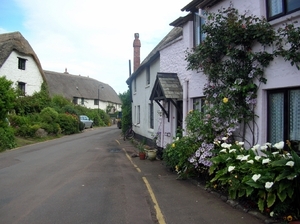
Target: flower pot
x: 142, y: 155
x: 151, y: 154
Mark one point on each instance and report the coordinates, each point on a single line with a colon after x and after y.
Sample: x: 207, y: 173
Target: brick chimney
x: 136, y: 52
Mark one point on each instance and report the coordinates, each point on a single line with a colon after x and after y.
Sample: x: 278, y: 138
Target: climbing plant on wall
x: 233, y: 57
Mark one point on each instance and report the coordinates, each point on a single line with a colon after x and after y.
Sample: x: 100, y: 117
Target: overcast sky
x: 92, y: 37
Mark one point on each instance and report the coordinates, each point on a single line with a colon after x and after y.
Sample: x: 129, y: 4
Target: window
x: 21, y: 86
x: 284, y: 116
x: 75, y: 100
x: 151, y: 113
x: 199, y: 35
x: 96, y: 102
x: 198, y: 104
x: 21, y: 63
x: 138, y: 119
x: 277, y: 8
x: 82, y: 101
x: 148, y: 75
x: 134, y: 85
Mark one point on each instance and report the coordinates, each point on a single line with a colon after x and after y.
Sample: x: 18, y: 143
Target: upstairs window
x: 199, y: 21
x: 134, y: 85
x: 284, y: 116
x: 96, y: 102
x: 75, y: 100
x: 278, y: 8
x: 148, y: 75
x: 21, y: 63
x: 21, y: 86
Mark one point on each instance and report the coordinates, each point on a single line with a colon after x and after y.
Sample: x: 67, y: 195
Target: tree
x: 7, y: 99
x: 126, y: 110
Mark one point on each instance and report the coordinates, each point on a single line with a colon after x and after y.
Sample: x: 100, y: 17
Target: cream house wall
x: 31, y: 75
x: 140, y: 98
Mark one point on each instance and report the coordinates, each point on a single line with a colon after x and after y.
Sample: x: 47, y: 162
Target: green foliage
x: 289, y: 35
x: 48, y: 115
x: 33, y: 104
x: 269, y: 178
x: 7, y: 99
x: 126, y: 110
x: 176, y: 156
x: 7, y: 138
x: 68, y: 123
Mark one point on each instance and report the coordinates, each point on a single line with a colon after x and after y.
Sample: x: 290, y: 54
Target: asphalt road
x: 91, y: 178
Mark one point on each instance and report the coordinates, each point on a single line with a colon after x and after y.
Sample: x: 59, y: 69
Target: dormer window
x: 278, y: 8
x: 21, y: 63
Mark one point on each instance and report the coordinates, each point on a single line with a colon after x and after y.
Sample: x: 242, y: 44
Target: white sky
x: 92, y: 37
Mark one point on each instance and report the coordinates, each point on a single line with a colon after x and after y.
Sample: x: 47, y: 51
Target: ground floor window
x: 198, y: 103
x: 151, y: 117
x: 284, y: 116
x: 21, y: 86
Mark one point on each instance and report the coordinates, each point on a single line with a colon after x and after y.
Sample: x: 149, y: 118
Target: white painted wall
x: 31, y: 75
x: 141, y: 98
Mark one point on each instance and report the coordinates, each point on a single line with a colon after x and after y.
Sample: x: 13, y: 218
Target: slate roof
x: 71, y: 86
x: 166, y: 86
x: 15, y: 41
x: 171, y: 36
x: 194, y: 5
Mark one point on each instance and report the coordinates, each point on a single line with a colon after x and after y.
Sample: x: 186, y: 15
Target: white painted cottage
x: 276, y: 121
x: 20, y: 64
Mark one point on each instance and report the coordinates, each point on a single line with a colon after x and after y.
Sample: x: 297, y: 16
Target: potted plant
x: 142, y: 153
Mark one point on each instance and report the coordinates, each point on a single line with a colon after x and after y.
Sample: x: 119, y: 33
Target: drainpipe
x: 185, y: 104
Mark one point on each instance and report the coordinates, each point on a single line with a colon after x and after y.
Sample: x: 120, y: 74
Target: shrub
x: 176, y: 156
x: 267, y: 175
x: 68, y: 123
x: 7, y: 138
x: 48, y: 115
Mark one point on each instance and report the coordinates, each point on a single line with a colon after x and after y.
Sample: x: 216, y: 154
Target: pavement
x: 174, y: 196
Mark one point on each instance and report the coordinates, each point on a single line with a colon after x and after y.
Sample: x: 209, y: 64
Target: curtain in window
x: 275, y: 7
x: 276, y: 125
x: 294, y: 110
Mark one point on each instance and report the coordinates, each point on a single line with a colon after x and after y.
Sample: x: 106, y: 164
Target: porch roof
x: 166, y: 86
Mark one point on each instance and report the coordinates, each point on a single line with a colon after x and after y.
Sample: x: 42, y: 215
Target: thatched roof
x: 71, y: 86
x: 15, y: 41
x: 175, y: 33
